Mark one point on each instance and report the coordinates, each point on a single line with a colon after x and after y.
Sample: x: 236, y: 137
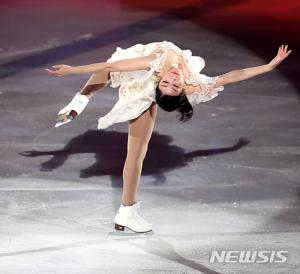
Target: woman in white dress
x: 158, y: 73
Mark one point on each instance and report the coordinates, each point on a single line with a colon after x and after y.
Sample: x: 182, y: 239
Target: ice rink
x: 228, y: 179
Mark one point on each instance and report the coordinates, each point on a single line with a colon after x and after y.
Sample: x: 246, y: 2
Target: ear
x: 157, y: 74
x: 156, y: 78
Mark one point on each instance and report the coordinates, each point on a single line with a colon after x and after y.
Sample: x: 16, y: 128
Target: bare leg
x: 139, y: 134
x: 96, y: 82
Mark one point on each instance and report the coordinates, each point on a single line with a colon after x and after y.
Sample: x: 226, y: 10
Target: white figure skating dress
x: 137, y: 88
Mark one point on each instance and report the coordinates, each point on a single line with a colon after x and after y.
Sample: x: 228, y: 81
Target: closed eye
x: 164, y: 82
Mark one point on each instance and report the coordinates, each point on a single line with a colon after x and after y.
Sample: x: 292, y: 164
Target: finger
x: 279, y: 50
x: 50, y: 71
x: 56, y: 66
x: 288, y: 53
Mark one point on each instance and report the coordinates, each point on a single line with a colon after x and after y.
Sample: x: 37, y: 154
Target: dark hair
x: 171, y: 103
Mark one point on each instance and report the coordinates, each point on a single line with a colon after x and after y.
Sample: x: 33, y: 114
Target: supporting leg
x: 139, y: 134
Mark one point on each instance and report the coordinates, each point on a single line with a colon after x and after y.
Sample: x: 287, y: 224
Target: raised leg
x: 139, y: 134
x: 80, y: 100
x: 96, y: 82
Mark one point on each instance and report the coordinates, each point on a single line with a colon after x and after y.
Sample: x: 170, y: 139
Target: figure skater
x: 158, y: 73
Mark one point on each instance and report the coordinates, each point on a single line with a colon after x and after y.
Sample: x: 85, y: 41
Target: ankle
x: 128, y: 203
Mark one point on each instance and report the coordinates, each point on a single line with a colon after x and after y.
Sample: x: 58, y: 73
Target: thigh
x: 102, y: 77
x: 140, y: 130
x: 96, y: 82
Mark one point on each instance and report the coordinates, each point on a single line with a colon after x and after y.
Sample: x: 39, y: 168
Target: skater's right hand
x: 60, y: 70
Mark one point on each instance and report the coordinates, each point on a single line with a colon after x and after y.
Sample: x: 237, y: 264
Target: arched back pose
x: 160, y: 74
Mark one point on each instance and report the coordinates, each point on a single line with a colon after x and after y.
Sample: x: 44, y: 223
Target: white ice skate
x: 73, y: 109
x: 129, y: 216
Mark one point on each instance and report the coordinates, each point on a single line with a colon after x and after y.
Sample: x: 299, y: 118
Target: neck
x: 168, y: 67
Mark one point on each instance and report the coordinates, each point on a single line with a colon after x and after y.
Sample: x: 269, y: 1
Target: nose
x: 176, y: 83
x: 174, y: 80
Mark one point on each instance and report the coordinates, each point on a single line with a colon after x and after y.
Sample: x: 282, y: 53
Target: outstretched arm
x: 243, y: 74
x: 132, y: 64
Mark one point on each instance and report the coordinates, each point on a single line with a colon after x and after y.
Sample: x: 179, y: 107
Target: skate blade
x: 120, y: 228
x: 60, y: 123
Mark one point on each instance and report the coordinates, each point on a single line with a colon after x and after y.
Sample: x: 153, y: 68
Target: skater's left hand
x: 60, y: 70
x: 281, y: 55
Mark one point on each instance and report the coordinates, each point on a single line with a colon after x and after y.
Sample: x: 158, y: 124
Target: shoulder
x: 189, y: 89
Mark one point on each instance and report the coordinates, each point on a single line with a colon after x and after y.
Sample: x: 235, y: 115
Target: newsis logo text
x: 248, y: 256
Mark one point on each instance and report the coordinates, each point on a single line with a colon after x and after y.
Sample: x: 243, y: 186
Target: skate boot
x: 129, y: 216
x: 73, y: 109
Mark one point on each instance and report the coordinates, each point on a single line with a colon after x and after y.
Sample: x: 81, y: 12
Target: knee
x: 137, y: 155
x: 89, y: 90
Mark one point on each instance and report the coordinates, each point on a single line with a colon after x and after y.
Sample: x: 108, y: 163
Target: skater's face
x: 171, y: 83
